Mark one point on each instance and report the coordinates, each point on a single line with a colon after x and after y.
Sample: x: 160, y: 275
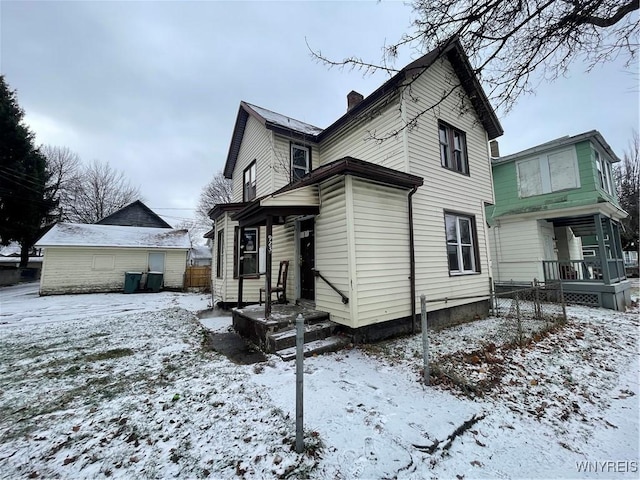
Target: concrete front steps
x: 319, y: 337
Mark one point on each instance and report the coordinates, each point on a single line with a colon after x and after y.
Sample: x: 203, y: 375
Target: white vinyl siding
x: 256, y: 145
x: 381, y: 226
x: 332, y: 258
x: 518, y: 250
x: 71, y: 269
x: 281, y: 171
x: 356, y: 141
x: 226, y: 288
x: 446, y: 190
x: 283, y: 249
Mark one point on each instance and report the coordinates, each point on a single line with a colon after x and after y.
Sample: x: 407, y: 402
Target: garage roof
x: 89, y: 235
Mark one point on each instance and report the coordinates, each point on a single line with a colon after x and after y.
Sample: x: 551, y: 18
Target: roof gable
x: 136, y: 214
x: 451, y: 49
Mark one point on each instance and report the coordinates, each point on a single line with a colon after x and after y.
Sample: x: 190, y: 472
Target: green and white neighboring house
x: 552, y: 201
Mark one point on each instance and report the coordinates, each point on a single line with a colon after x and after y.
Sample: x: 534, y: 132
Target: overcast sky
x: 154, y: 87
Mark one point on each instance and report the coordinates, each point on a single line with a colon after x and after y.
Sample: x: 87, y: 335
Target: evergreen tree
x: 26, y: 203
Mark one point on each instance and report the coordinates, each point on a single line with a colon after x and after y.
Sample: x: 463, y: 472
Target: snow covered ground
x: 114, y: 385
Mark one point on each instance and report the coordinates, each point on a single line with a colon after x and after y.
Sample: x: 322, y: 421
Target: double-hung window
x: 604, y: 173
x: 249, y: 189
x: 246, y: 252
x: 220, y: 254
x: 300, y: 161
x: 453, y: 148
x: 461, y: 243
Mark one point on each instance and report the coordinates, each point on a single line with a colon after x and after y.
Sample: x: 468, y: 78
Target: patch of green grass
x: 109, y: 354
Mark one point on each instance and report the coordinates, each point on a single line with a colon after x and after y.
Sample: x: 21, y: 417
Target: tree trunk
x: 24, y: 255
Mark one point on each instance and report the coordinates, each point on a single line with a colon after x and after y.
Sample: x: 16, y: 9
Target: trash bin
x: 154, y: 281
x: 132, y: 281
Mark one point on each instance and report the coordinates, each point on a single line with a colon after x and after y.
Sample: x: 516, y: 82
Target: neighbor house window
x: 220, y: 254
x: 249, y: 190
x: 300, y: 161
x: 604, y: 173
x: 548, y: 173
x: 453, y: 148
x: 461, y: 243
x: 246, y: 252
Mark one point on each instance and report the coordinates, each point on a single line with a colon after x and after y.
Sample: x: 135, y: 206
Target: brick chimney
x: 495, y: 151
x: 353, y: 99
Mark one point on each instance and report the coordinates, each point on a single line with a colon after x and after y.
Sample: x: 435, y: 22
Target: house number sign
x: 270, y: 243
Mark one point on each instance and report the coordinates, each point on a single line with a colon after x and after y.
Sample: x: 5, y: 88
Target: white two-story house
x: 367, y: 225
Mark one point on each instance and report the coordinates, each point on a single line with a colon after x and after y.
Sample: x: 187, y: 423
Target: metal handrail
x: 345, y: 299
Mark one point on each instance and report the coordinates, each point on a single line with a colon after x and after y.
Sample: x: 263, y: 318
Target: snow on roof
x: 284, y: 121
x: 12, y: 249
x: 90, y: 235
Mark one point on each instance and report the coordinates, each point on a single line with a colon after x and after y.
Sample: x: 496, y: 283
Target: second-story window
x: 249, y: 189
x: 300, y: 161
x: 604, y: 173
x: 453, y: 148
x: 548, y: 173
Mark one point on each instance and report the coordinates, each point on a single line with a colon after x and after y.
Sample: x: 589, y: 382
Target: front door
x: 307, y: 260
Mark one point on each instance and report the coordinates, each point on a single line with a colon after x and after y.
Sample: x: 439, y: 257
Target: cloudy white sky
x: 154, y: 87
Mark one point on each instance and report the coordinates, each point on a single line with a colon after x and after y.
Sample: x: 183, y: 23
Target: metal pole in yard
x: 299, y: 383
x: 491, y: 298
x: 425, y: 337
x: 564, y: 306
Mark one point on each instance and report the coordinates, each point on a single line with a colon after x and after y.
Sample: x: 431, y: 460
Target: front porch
x: 598, y: 277
x: 277, y: 333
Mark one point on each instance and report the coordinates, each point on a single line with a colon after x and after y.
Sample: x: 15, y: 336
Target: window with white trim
x: 249, y: 178
x: 462, y: 253
x: 453, y: 148
x: 300, y: 161
x: 605, y: 178
x: 548, y: 173
x: 246, y: 247
x: 220, y: 254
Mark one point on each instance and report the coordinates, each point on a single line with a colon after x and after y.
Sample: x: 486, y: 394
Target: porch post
x: 615, y: 238
x: 269, y: 251
x: 604, y: 263
x: 240, y: 272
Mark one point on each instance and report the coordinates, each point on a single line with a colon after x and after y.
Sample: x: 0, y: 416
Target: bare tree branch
x: 515, y: 45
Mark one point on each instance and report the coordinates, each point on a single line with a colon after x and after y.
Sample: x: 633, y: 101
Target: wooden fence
x: 198, y: 277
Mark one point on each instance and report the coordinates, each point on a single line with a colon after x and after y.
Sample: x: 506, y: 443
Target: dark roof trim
x: 255, y: 214
x: 131, y: 205
x: 454, y: 53
x: 244, y: 112
x: 221, y: 208
x: 210, y: 234
x: 591, y: 135
x: 357, y: 168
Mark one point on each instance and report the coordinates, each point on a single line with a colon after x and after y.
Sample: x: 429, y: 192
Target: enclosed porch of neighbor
x: 586, y: 255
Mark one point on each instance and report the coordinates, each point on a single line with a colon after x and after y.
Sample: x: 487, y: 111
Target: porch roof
x: 222, y: 208
x: 301, y: 197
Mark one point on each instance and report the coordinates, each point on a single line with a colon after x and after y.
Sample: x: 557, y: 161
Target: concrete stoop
x: 329, y: 344
x: 319, y: 337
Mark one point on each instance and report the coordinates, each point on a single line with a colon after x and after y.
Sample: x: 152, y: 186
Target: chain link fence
x: 529, y: 311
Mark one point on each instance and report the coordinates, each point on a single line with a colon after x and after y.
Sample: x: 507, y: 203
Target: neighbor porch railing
x: 585, y: 270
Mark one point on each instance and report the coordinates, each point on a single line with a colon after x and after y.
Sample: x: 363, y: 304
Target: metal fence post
x: 299, y: 383
x: 425, y: 337
x: 518, y: 317
x: 564, y: 306
x: 491, y: 299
